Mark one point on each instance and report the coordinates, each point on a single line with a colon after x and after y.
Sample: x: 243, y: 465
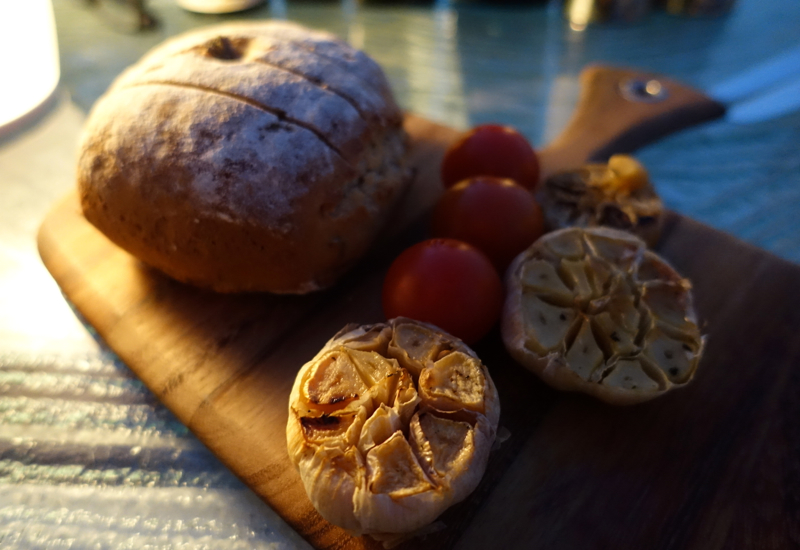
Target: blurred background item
x: 218, y: 6
x: 698, y: 7
x: 28, y: 60
x: 126, y: 16
x: 580, y: 13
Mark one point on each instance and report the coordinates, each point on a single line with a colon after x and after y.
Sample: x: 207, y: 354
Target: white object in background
x: 28, y: 59
x: 218, y: 6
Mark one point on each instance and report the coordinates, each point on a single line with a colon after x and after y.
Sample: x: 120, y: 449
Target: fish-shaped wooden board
x: 696, y: 468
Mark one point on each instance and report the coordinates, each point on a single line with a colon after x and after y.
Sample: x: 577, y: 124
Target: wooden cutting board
x: 713, y: 465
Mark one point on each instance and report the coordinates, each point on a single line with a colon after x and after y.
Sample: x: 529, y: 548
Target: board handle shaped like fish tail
x: 619, y: 111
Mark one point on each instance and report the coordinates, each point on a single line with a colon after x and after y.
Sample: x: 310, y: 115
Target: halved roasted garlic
x: 593, y: 310
x: 617, y: 194
x: 389, y: 425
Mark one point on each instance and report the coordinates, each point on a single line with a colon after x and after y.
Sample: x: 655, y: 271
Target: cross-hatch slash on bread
x: 593, y: 310
x: 245, y: 157
x: 391, y: 424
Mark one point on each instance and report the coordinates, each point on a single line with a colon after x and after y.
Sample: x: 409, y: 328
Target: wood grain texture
x: 713, y: 465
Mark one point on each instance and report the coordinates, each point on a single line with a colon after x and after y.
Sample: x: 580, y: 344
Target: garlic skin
x: 617, y: 194
x: 391, y: 424
x: 592, y: 310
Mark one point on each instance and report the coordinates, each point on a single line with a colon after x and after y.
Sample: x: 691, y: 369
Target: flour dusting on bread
x: 246, y: 157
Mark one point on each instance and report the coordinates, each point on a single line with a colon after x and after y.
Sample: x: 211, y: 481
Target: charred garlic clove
x: 615, y: 321
x: 391, y: 424
x: 617, y: 194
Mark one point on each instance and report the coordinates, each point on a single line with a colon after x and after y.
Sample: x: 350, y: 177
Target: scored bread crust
x: 245, y: 157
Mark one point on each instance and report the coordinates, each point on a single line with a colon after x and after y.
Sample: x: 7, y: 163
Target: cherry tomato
x: 495, y: 215
x: 491, y: 150
x: 445, y: 282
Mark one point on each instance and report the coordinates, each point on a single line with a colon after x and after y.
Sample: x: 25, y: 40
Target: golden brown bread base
x: 245, y: 157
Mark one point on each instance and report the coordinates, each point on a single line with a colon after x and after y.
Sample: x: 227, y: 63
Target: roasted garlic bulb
x: 593, y: 310
x: 389, y: 425
x: 618, y: 194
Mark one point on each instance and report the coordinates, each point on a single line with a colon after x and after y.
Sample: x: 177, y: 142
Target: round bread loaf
x: 245, y: 157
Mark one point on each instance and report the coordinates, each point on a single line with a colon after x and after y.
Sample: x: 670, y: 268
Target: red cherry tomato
x: 445, y: 282
x: 491, y: 150
x: 495, y: 215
